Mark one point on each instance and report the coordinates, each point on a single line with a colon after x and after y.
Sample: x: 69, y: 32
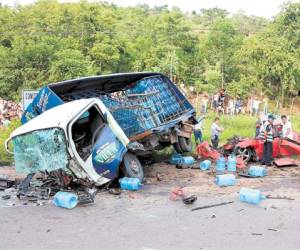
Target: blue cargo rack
x: 138, y: 101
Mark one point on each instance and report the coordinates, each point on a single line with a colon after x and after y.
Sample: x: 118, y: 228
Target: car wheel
x: 132, y: 167
x: 245, y: 153
x: 185, y: 143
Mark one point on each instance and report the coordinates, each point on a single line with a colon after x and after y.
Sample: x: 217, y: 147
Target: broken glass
x: 40, y: 150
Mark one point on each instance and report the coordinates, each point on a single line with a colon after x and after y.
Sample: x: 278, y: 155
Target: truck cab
x: 81, y: 138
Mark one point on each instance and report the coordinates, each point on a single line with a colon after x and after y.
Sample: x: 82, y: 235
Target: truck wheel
x: 185, y: 143
x: 132, y: 167
x: 177, y: 148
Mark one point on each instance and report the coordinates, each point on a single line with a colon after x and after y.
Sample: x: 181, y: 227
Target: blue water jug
x: 252, y: 196
x: 65, y: 199
x: 130, y: 183
x: 205, y: 165
x: 231, y: 163
x: 175, y: 158
x: 221, y: 163
x: 225, y: 180
x: 187, y: 160
x: 256, y: 171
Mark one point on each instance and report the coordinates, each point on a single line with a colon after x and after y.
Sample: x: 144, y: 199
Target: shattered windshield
x: 40, y: 150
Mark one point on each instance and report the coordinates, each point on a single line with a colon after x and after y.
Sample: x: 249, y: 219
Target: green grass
x: 6, y: 158
x: 241, y: 125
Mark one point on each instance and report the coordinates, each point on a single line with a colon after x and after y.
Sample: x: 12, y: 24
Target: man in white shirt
x: 255, y: 106
x: 198, y: 130
x: 215, y: 132
x: 287, y: 131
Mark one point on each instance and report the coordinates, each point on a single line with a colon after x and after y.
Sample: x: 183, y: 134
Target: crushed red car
x: 252, y: 148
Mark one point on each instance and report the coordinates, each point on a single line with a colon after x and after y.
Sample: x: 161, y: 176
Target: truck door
x: 99, y: 142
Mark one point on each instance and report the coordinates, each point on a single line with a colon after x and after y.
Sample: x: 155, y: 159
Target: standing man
x: 215, y: 132
x: 267, y: 134
x: 286, y: 128
x: 198, y: 130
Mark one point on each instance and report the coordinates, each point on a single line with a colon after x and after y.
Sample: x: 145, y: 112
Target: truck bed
x: 139, y: 102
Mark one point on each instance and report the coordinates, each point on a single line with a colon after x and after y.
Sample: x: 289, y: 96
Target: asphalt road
x: 147, y: 219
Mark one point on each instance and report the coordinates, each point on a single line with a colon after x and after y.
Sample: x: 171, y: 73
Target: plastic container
x: 231, y: 163
x: 130, y: 183
x: 188, y: 160
x: 225, y: 180
x: 251, y: 196
x: 175, y: 158
x: 205, y: 165
x: 221, y: 164
x: 179, y: 159
x: 65, y: 200
x: 257, y: 171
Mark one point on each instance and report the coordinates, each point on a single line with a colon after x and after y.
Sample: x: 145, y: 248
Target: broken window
x: 85, y: 131
x: 40, y: 150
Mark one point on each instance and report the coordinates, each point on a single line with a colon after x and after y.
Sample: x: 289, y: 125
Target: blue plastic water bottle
x: 205, y: 165
x: 65, y: 199
x: 221, y: 163
x: 130, y: 183
x: 188, y: 160
x: 256, y: 171
x: 252, y: 196
x: 225, y: 180
x: 231, y: 163
x: 175, y: 158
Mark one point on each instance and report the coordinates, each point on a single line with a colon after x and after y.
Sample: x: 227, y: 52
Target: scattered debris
x: 205, y: 151
x: 189, y: 199
x: 285, y: 162
x: 6, y: 197
x: 5, y: 183
x: 256, y: 234
x: 279, y: 197
x: 213, y: 205
x: 176, y: 193
x: 114, y: 191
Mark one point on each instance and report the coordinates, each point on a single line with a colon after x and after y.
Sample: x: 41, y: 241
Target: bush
x: 6, y: 158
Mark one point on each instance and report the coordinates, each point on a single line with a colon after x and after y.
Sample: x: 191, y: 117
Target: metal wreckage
x: 88, y: 131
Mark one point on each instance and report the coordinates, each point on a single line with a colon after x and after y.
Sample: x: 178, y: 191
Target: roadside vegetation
x: 50, y: 41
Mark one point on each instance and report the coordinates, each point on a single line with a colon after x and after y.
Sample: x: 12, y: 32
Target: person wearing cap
x: 267, y: 135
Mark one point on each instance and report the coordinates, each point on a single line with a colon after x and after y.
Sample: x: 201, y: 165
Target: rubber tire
x: 128, y: 171
x: 177, y: 148
x: 185, y: 143
x: 249, y: 151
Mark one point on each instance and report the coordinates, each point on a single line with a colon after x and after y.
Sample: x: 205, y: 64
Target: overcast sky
x: 265, y: 8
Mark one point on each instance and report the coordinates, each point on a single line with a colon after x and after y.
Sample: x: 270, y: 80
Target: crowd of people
x: 223, y: 104
x: 267, y: 128
x: 9, y: 110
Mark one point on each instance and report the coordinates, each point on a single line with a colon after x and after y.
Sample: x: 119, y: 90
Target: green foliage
x: 50, y: 41
x: 6, y: 158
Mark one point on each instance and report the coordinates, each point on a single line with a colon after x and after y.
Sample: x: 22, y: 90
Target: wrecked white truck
x: 92, y: 128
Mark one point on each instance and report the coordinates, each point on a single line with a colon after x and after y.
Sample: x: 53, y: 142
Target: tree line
x: 50, y: 41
